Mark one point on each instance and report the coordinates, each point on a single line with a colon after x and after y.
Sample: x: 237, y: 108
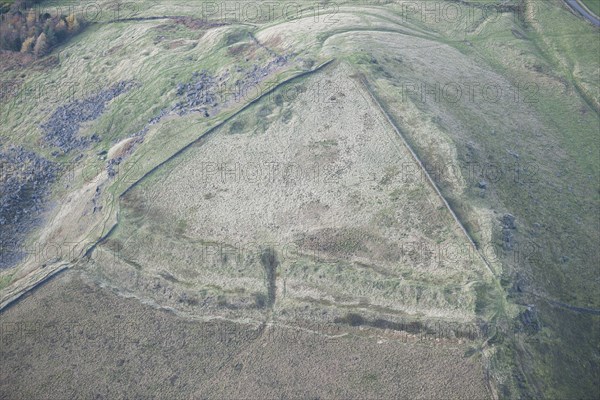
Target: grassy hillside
x: 242, y: 176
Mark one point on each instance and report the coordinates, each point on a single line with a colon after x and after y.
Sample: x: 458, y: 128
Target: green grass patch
x: 5, y: 280
x: 593, y: 5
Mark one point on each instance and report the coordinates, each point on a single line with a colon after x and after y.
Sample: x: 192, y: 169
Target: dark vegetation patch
x: 236, y: 127
x: 167, y: 276
x: 242, y: 50
x: 339, y: 242
x: 9, y: 89
x: 196, y: 23
x: 286, y: 116
x: 412, y: 327
x: 12, y: 61
x: 278, y: 99
x: 270, y: 262
x: 260, y: 300
x: 264, y: 112
x: 235, y: 37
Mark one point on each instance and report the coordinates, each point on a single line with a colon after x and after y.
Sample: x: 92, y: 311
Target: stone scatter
x: 25, y: 179
x: 62, y: 128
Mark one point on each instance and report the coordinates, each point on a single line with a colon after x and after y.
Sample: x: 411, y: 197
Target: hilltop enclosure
x: 359, y: 196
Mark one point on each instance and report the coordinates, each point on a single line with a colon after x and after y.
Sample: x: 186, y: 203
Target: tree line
x: 25, y: 30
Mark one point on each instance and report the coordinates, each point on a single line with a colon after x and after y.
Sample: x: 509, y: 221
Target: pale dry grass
x: 329, y: 188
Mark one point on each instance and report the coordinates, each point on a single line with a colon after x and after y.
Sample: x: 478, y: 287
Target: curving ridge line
x: 42, y: 278
x: 11, y: 299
